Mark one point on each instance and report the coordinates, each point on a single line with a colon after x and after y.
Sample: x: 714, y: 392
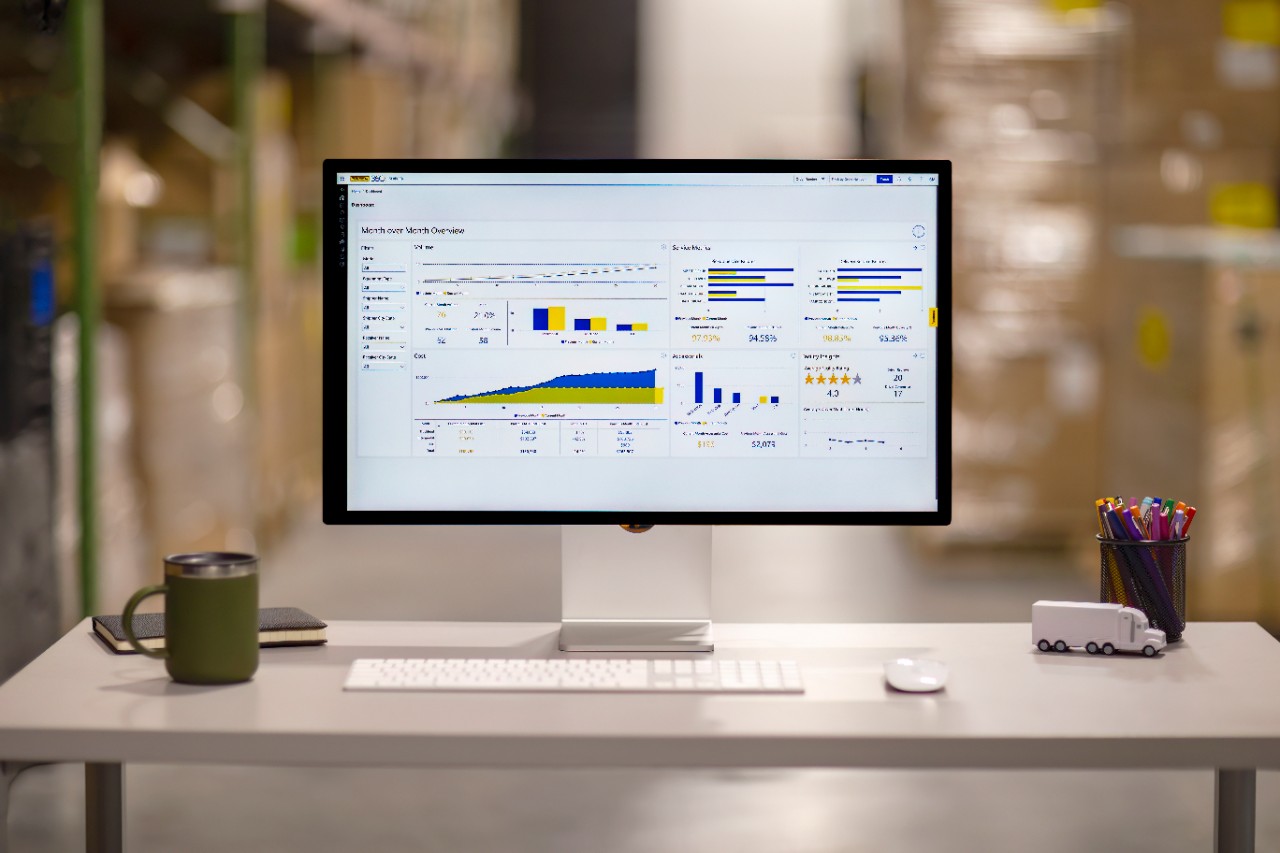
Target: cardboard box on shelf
x: 1023, y: 432
x: 1237, y: 565
x: 190, y: 433
x: 1175, y: 186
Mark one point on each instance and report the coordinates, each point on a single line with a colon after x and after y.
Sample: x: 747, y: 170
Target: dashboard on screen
x: 586, y: 339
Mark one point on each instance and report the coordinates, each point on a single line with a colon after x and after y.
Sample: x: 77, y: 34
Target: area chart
x: 610, y: 388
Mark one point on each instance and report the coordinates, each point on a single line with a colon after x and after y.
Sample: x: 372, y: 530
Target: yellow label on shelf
x: 1062, y: 7
x: 933, y: 318
x: 1253, y: 21
x: 1244, y: 205
x: 1154, y: 340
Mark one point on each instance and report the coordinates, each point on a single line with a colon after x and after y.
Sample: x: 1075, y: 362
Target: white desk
x: 1211, y: 702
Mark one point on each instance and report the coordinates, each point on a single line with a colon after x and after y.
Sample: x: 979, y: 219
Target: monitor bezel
x: 335, y: 372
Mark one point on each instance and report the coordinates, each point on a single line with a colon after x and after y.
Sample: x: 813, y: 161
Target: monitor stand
x: 635, y: 592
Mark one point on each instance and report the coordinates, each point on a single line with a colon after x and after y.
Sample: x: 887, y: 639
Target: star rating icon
x: 844, y: 380
x: 822, y: 380
x: 857, y: 379
x: 834, y: 379
x: 808, y: 379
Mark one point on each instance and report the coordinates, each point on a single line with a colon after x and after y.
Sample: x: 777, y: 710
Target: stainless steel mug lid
x: 210, y: 564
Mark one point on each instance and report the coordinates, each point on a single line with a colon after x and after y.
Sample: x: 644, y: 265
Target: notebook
x: 277, y: 626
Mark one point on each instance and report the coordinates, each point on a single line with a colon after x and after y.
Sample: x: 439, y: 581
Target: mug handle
x: 127, y: 618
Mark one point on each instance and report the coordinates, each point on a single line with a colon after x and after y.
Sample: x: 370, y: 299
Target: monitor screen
x: 637, y: 341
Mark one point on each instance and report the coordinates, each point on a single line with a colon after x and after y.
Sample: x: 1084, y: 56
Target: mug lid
x: 210, y: 564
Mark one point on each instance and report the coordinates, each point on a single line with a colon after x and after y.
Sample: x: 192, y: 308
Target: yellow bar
x: 598, y: 324
x: 728, y: 294
x: 879, y: 287
x: 764, y: 398
x: 555, y: 318
x: 639, y: 327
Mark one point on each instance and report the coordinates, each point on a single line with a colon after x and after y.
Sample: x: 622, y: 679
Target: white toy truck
x: 1108, y: 628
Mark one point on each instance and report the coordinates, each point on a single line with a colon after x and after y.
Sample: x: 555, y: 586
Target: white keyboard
x: 584, y: 675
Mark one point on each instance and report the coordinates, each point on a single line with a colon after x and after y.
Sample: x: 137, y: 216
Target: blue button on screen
x: 884, y: 179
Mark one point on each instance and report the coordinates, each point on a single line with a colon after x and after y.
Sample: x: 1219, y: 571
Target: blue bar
x: 754, y: 269
x: 848, y: 277
x: 773, y: 399
x: 739, y: 299
x: 624, y: 327
x: 540, y: 319
x: 762, y: 283
x: 880, y: 269
x: 697, y: 387
x: 737, y: 398
x: 582, y: 325
x: 851, y: 299
x: 873, y: 292
x: 715, y: 395
x: 721, y: 292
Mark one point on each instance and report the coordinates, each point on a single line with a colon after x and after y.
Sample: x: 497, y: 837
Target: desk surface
x: 1212, y: 700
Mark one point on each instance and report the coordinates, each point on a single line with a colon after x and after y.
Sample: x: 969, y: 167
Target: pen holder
x: 1151, y: 576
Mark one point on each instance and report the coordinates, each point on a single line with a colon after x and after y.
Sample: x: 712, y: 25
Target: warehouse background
x: 1117, y: 286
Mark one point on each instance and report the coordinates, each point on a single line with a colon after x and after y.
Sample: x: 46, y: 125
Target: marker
x: 1137, y: 518
x: 1179, y: 521
x: 1191, y: 513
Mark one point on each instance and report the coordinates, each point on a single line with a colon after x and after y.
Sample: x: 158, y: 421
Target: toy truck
x: 1107, y: 628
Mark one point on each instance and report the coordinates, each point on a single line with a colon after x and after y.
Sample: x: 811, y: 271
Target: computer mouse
x: 915, y: 675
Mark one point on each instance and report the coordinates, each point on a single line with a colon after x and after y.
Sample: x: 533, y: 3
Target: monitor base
x: 623, y: 635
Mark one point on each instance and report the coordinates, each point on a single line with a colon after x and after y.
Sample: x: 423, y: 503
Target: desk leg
x: 9, y: 771
x: 1235, y: 804
x: 104, y: 808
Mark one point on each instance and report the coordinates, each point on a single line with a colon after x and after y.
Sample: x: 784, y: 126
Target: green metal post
x: 86, y: 37
x: 248, y: 50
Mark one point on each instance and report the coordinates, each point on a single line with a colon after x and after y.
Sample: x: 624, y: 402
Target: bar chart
x: 728, y: 295
x: 878, y: 284
x: 718, y: 396
x: 621, y: 323
x: 747, y: 283
x: 862, y: 297
x: 552, y: 319
x: 734, y: 403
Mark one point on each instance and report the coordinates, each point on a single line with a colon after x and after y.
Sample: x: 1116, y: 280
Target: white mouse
x: 915, y: 675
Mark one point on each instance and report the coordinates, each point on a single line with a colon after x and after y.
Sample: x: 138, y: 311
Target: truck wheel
x: 1060, y: 646
x: 1091, y: 647
x: 1043, y: 645
x: 1108, y: 649
x: 1149, y: 651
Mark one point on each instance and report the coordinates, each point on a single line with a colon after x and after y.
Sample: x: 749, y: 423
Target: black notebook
x: 277, y: 626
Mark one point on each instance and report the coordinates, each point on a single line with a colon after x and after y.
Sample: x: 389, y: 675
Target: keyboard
x: 577, y: 675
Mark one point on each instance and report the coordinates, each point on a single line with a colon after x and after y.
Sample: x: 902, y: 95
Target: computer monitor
x: 675, y: 343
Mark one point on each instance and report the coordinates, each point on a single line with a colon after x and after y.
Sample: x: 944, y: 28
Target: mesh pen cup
x: 1150, y: 576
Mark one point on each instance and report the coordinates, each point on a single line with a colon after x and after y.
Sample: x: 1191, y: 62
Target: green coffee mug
x: 210, y: 617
